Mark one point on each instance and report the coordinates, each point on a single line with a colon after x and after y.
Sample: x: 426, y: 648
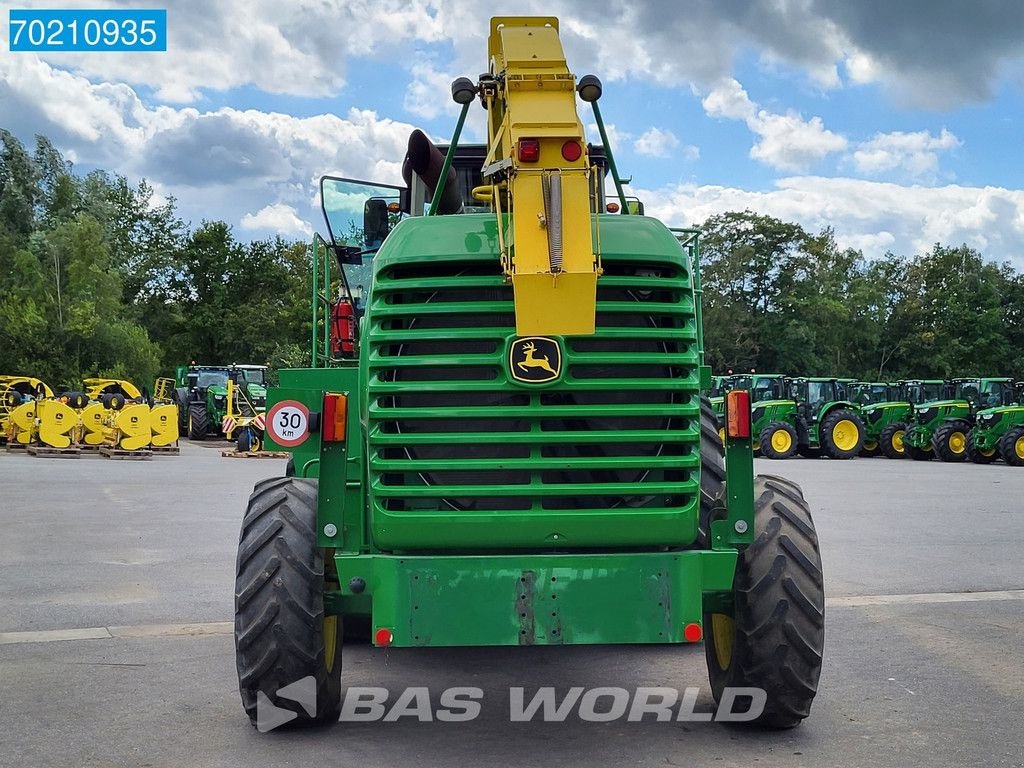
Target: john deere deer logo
x: 535, y: 360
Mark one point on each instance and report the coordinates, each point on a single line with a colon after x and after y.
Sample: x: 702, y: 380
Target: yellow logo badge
x: 535, y: 359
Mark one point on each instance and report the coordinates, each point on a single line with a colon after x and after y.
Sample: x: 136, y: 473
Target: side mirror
x: 375, y: 222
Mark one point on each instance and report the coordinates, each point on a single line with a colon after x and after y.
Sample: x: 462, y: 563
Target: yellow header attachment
x: 536, y: 145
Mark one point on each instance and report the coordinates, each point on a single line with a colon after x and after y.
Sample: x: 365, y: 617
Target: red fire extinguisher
x: 343, y: 328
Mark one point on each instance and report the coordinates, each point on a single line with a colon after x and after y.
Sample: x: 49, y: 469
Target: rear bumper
x: 533, y: 599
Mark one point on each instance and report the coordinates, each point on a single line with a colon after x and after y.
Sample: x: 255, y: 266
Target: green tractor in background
x: 888, y: 408
x: 941, y: 427
x: 999, y: 432
x: 812, y: 419
x: 201, y: 394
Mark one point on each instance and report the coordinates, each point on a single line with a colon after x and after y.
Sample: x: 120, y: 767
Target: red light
x: 335, y: 418
x: 693, y: 633
x: 384, y: 637
x: 737, y: 409
x: 529, y: 150
x: 572, y: 151
x: 613, y: 207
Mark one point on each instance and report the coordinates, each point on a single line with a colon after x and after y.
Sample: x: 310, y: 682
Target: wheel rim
x: 988, y: 454
x: 845, y: 434
x: 721, y: 434
x: 1018, y: 447
x: 781, y: 440
x: 897, y: 441
x: 957, y: 442
x: 723, y: 630
x: 870, y: 446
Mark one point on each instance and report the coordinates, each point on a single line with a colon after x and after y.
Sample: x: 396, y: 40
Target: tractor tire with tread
x: 978, y: 456
x: 282, y: 634
x: 950, y: 440
x: 1011, y: 447
x: 778, y: 440
x: 870, y: 449
x: 891, y: 441
x: 775, y: 638
x: 712, y: 471
x: 837, y: 439
x: 920, y: 454
x: 198, y: 422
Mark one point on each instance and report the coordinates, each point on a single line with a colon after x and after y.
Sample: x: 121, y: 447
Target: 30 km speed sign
x: 288, y: 423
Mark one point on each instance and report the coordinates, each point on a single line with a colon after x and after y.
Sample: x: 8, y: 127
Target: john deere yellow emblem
x: 534, y: 359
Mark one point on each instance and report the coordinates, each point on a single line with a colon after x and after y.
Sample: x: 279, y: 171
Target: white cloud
x: 869, y: 215
x: 915, y: 153
x: 616, y: 136
x: 223, y: 163
x: 427, y: 94
x: 786, y: 142
x: 656, y: 142
x: 278, y: 218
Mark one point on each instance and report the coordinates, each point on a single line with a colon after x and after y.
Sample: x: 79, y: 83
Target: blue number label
x: 42, y: 30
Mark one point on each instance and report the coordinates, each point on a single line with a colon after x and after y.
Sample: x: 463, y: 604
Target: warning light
x: 383, y: 637
x: 693, y: 633
x: 613, y: 207
x: 737, y: 411
x: 529, y: 150
x: 394, y: 207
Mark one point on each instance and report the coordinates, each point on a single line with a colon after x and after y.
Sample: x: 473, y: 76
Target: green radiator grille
x: 450, y: 431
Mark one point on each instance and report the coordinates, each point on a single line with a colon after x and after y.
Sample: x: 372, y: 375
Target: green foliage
x: 777, y: 298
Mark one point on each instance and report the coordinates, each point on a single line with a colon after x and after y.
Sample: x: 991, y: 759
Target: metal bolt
x: 741, y: 526
x: 330, y: 530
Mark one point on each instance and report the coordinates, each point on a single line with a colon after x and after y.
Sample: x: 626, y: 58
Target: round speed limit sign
x: 288, y: 423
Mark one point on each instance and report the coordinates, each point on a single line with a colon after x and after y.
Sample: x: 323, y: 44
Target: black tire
x: 809, y: 453
x: 198, y: 422
x: 1011, y: 448
x: 891, y: 441
x: 920, y: 454
x: 771, y: 433
x: 289, y: 467
x: 870, y: 449
x: 243, y: 443
x: 282, y: 635
x: 712, y: 471
x: 978, y: 456
x: 833, y: 434
x: 950, y: 440
x: 776, y: 634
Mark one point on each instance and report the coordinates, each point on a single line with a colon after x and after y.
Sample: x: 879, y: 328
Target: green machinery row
x: 976, y: 419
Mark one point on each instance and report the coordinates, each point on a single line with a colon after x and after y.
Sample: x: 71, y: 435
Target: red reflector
x: 335, y: 418
x: 737, y: 410
x: 384, y: 637
x: 613, y: 207
x: 572, y: 151
x: 693, y: 633
x: 529, y: 150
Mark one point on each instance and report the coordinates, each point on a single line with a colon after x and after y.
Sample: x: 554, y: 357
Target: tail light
x: 737, y: 410
x: 335, y: 419
x: 572, y: 151
x: 529, y: 150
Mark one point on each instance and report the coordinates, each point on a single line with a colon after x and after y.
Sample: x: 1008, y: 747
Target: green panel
x: 537, y: 599
x: 644, y: 298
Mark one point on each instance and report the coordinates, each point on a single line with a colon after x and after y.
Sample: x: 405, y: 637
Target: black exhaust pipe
x: 426, y: 161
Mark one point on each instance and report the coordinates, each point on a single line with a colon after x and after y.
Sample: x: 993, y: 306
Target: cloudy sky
x: 898, y: 124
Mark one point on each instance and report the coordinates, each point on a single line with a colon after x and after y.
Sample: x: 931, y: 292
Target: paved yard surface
x: 115, y: 645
